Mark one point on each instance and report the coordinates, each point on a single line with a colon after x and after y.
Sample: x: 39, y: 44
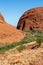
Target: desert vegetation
x: 21, y: 47
x: 30, y: 36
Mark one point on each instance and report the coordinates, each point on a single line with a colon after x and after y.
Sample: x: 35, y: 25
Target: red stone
x: 31, y: 20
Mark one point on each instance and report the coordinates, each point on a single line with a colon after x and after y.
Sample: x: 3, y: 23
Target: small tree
x: 39, y: 40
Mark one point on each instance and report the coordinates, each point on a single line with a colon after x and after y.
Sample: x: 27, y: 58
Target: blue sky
x: 13, y: 9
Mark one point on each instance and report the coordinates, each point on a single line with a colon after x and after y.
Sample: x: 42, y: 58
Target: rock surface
x: 25, y: 57
x: 31, y: 20
x: 9, y: 33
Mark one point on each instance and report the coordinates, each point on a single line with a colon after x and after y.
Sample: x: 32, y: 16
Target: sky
x: 13, y: 9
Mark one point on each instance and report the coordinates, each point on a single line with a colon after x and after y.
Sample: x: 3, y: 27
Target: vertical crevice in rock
x: 23, y: 25
x: 31, y: 28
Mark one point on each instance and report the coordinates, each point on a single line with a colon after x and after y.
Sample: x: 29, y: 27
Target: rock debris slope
x: 26, y: 57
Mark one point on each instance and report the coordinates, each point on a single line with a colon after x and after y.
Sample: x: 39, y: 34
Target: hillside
x: 31, y: 20
x: 9, y: 33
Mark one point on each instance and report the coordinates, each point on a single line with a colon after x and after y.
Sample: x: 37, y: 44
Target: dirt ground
x: 25, y: 57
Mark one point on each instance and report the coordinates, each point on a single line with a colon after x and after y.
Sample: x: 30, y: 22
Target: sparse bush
x: 39, y: 40
x: 30, y: 36
x: 21, y: 47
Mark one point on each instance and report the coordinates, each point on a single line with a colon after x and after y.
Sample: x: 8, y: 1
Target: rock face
x: 31, y: 20
x: 9, y: 33
x: 2, y: 19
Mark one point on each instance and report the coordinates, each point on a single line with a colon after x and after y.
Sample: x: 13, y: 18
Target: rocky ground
x: 25, y: 57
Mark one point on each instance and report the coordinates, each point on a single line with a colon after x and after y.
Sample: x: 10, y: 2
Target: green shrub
x: 39, y: 39
x: 30, y: 36
x: 21, y: 47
